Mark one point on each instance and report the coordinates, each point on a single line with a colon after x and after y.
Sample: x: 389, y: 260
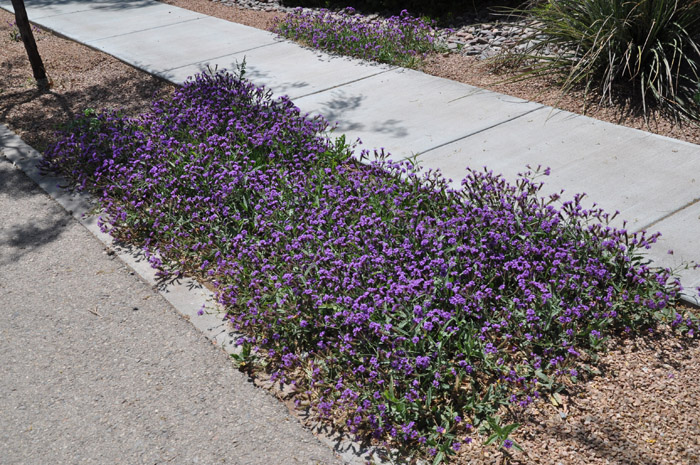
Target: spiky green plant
x: 648, y: 47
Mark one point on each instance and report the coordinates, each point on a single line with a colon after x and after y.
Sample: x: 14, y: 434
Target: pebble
x: 479, y: 35
x: 259, y: 5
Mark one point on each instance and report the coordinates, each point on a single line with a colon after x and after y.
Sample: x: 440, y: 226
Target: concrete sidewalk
x: 652, y: 180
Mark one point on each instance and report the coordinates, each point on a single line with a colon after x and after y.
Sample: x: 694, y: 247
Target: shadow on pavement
x: 20, y: 238
x: 111, y: 4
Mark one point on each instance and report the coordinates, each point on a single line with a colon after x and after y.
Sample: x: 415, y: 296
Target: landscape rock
x: 482, y: 34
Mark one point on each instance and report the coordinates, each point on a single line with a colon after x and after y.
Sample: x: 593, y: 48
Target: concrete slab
x: 173, y: 46
x: 100, y: 23
x: 408, y: 112
x: 288, y: 69
x: 37, y: 9
x: 642, y: 175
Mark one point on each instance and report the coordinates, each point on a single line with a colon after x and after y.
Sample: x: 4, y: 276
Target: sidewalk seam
x: 668, y: 215
x: 346, y: 83
x: 480, y: 130
x: 210, y: 59
x: 147, y: 29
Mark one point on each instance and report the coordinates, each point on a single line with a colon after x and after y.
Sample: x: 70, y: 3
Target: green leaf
x: 439, y: 458
x: 389, y: 395
x: 494, y: 424
x: 505, y: 432
x: 491, y: 439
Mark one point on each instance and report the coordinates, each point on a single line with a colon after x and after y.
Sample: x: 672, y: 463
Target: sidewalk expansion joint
x: 345, y: 83
x: 500, y: 123
x: 216, y: 58
x: 667, y: 215
x: 147, y: 29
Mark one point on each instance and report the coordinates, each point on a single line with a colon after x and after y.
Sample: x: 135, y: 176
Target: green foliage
x: 647, y: 48
x: 15, y: 35
x: 245, y: 358
x: 500, y: 434
x: 410, y: 311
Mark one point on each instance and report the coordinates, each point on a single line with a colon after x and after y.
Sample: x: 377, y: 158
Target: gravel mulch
x: 643, y: 409
x: 82, y: 78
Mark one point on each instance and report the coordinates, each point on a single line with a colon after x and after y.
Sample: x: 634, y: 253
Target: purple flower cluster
x: 400, y: 40
x: 17, y: 37
x: 404, y: 307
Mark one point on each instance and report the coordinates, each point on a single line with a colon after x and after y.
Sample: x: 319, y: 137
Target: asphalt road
x: 97, y: 368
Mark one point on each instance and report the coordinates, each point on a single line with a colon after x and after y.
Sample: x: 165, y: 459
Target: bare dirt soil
x: 643, y: 409
x: 82, y: 78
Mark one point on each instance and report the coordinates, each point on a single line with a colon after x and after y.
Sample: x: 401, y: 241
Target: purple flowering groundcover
x: 401, y: 40
x: 409, y: 311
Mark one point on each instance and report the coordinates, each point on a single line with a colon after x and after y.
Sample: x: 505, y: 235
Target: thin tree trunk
x: 25, y: 32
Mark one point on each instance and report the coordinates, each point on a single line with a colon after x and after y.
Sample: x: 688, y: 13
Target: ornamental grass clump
x: 649, y: 49
x: 399, y: 40
x: 402, y: 309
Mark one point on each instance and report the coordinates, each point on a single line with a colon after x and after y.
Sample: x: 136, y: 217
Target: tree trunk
x: 25, y: 32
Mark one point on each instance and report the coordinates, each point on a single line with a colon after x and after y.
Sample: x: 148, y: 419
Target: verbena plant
x: 407, y: 311
x: 399, y: 40
x: 650, y: 48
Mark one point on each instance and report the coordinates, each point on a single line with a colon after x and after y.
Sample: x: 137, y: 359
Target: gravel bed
x: 642, y: 410
x: 81, y: 78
